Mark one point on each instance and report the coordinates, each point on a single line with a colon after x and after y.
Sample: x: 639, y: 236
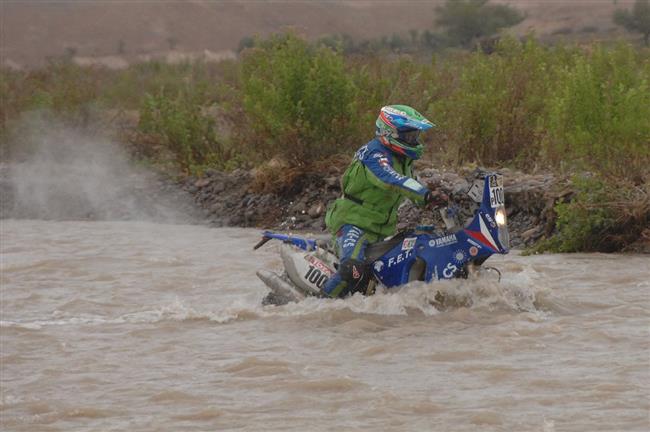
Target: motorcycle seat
x: 376, y: 250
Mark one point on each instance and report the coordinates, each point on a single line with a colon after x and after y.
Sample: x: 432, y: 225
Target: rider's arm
x: 383, y: 175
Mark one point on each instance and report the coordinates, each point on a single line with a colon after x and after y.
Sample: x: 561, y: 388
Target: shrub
x: 129, y: 87
x: 297, y: 100
x: 181, y: 126
x: 468, y: 20
x: 636, y: 20
x: 604, y: 216
x: 598, y: 116
x: 490, y: 115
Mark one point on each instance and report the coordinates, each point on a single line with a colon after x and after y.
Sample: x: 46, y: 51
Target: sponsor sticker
x: 449, y: 271
x: 318, y: 264
x: 399, y: 258
x: 379, y: 265
x: 473, y: 251
x: 490, y: 220
x: 459, y: 256
x: 361, y: 153
x: 355, y: 272
x: 394, y: 111
x: 443, y: 241
x: 409, y: 243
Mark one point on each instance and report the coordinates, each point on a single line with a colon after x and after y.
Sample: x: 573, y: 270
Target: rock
x: 236, y: 219
x: 318, y: 225
x: 299, y: 208
x: 228, y: 198
x: 531, y: 233
x: 200, y: 183
x: 331, y: 182
x: 460, y: 187
x: 316, y: 210
x: 218, y: 187
x: 217, y: 207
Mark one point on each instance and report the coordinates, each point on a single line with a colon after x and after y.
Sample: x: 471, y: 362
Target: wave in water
x: 521, y: 292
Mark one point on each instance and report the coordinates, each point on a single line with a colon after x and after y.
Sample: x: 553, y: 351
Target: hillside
x: 121, y: 32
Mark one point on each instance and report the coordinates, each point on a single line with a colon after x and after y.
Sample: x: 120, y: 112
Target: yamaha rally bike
x: 413, y: 255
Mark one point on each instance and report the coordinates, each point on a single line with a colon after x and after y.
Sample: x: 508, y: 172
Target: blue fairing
x: 444, y: 256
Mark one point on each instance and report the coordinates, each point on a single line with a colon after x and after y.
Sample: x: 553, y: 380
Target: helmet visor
x: 409, y: 137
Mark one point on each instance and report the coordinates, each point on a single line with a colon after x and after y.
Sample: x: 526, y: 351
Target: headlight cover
x: 500, y: 216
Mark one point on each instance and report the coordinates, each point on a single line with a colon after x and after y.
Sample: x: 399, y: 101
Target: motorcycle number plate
x: 497, y: 198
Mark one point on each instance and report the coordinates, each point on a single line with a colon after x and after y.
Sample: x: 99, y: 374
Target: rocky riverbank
x: 240, y: 198
x: 230, y: 199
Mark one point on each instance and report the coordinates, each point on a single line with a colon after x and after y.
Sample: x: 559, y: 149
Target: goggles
x: 409, y: 137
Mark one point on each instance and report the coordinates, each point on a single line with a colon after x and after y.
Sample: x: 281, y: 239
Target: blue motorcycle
x: 413, y: 255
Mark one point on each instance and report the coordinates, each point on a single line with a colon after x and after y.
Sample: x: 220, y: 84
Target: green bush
x: 524, y: 104
x: 297, y: 99
x: 598, y: 115
x: 180, y: 125
x: 468, y: 20
x: 491, y: 113
x: 129, y: 87
x: 604, y: 216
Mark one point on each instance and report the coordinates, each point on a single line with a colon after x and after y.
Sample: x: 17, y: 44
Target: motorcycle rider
x: 374, y: 184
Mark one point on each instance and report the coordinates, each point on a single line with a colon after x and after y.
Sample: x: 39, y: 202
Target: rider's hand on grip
x: 436, y: 198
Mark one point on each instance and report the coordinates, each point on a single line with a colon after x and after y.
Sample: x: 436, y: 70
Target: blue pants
x: 351, y: 243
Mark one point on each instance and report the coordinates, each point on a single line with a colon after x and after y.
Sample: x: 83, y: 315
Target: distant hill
x: 121, y: 32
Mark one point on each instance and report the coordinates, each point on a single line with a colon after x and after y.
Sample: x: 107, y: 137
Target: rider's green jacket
x: 374, y: 185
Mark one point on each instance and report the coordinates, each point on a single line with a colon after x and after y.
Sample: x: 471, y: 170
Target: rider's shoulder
x: 373, y: 149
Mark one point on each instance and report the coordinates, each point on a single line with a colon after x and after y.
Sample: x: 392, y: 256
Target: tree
x: 636, y: 20
x: 467, y: 20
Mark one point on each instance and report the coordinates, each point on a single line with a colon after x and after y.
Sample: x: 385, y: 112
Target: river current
x: 116, y: 326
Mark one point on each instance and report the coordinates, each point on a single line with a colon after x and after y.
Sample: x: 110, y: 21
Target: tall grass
x: 298, y: 101
x: 598, y: 115
x: 525, y: 104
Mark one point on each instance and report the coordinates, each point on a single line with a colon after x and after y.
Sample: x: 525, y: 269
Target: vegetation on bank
x: 525, y: 105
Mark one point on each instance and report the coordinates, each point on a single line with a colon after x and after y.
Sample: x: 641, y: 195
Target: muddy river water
x: 135, y: 326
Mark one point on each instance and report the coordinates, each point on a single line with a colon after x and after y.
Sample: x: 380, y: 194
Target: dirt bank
x: 231, y: 199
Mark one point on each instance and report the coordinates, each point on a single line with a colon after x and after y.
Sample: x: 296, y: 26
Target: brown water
x: 147, y: 327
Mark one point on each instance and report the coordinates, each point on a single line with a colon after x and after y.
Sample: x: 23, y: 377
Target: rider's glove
x: 436, y: 198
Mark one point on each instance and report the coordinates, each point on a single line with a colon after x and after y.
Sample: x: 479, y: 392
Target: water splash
x: 62, y: 173
x: 523, y: 291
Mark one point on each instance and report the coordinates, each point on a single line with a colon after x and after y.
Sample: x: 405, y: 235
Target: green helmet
x: 399, y: 127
